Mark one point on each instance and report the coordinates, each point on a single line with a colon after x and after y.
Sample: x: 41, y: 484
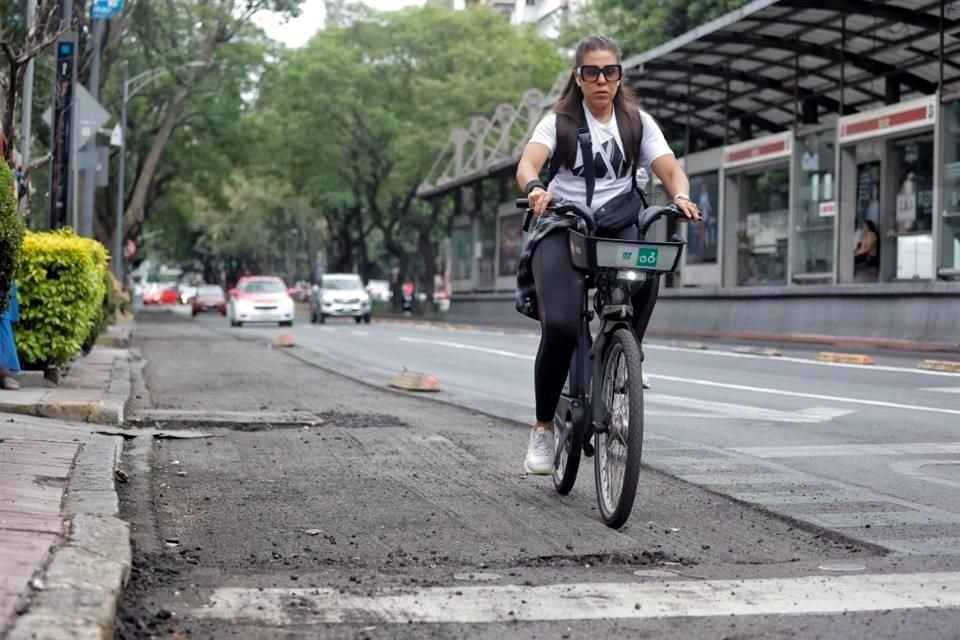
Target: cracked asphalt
x: 313, y: 504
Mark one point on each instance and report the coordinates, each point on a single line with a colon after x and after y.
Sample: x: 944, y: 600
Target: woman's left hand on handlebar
x: 687, y: 207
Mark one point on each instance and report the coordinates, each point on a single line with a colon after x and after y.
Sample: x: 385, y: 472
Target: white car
x: 340, y: 295
x: 379, y: 290
x: 260, y: 299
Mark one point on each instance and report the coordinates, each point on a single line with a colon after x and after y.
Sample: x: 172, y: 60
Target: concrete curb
x: 109, y: 408
x: 811, y: 339
x: 84, y: 581
x: 653, y: 332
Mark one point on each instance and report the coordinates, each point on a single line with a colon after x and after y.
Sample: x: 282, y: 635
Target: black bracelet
x: 533, y: 184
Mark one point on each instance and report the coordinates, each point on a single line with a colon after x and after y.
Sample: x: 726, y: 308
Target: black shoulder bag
x: 623, y: 210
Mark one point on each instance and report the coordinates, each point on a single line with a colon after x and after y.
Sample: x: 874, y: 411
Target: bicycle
x: 609, y: 365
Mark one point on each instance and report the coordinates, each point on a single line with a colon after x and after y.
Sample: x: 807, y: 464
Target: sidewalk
x: 95, y: 389
x: 64, y: 552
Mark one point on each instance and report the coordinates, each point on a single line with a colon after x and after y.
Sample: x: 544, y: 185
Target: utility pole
x: 90, y: 149
x: 118, y: 258
x: 26, y: 110
x: 62, y: 209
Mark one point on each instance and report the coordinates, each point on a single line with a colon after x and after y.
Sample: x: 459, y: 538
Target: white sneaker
x: 645, y: 380
x: 540, y: 453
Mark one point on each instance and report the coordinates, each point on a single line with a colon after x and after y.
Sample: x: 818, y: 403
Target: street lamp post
x: 131, y: 87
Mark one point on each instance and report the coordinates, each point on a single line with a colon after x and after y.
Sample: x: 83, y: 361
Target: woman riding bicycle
x: 622, y: 138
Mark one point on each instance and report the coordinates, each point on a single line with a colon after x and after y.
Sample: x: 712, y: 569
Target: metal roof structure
x: 768, y: 67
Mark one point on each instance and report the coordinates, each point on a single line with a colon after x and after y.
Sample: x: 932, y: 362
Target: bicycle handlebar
x: 647, y: 217
x: 559, y: 206
x: 651, y: 214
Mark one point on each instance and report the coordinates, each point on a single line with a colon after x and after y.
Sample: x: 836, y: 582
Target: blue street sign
x: 106, y: 9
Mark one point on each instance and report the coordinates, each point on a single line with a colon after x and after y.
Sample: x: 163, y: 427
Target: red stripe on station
x: 757, y: 152
x: 885, y: 122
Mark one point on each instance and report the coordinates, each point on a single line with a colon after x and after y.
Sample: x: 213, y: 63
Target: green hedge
x: 11, y: 232
x: 113, y: 300
x: 62, y: 284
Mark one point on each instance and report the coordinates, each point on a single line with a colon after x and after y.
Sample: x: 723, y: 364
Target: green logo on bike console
x: 648, y: 257
x: 627, y: 255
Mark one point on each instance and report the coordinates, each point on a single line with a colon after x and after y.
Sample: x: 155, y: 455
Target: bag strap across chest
x: 585, y: 141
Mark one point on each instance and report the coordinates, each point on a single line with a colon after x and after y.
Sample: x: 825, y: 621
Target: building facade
x: 804, y: 130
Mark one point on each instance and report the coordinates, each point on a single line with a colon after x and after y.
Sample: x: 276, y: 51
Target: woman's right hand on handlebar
x: 538, y: 200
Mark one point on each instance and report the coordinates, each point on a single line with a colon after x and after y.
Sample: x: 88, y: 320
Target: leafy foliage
x: 11, y: 232
x: 640, y: 25
x: 356, y: 118
x: 61, y: 283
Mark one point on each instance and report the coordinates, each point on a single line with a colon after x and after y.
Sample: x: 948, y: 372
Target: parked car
x: 209, y: 297
x: 151, y: 292
x: 340, y: 295
x: 379, y: 290
x: 260, y: 299
x: 169, y: 295
x: 187, y: 292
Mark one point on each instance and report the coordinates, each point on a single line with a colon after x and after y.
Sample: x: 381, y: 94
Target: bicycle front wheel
x: 618, y: 447
x: 567, y: 452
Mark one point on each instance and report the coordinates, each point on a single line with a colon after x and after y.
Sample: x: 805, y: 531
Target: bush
x: 62, y: 286
x: 11, y: 233
x: 113, y: 299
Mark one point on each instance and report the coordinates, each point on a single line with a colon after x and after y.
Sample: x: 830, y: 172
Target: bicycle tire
x: 623, y: 348
x: 566, y: 467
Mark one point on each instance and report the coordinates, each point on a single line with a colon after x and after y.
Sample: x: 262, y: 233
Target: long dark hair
x: 624, y: 105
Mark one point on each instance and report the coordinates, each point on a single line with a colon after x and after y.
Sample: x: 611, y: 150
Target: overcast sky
x: 296, y: 32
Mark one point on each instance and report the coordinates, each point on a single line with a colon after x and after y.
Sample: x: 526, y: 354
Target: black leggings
x: 559, y: 298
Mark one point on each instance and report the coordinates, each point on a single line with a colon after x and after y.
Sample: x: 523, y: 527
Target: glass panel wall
x: 763, y: 233
x: 913, y: 159
x: 950, y: 196
x: 814, y: 223
x: 702, y: 237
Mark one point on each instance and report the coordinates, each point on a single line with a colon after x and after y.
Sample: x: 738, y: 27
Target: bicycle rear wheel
x: 568, y: 449
x: 618, y: 447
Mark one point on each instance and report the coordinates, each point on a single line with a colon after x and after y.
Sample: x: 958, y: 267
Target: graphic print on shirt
x: 608, y: 161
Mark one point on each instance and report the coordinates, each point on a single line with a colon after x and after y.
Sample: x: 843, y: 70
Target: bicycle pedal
x: 588, y: 449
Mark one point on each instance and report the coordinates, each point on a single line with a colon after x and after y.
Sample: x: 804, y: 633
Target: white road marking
x: 357, y: 332
x: 746, y: 412
x: 467, y: 347
x: 815, y: 396
x: 794, y: 360
x: 731, y: 354
x: 913, y: 469
x: 942, y: 389
x: 642, y: 599
x: 825, y: 451
x: 709, y: 383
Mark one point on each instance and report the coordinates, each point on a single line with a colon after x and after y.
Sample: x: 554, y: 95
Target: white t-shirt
x: 610, y: 164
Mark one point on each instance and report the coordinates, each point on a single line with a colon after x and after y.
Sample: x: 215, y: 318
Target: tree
x: 640, y: 25
x: 366, y: 108
x: 19, y: 46
x: 177, y: 33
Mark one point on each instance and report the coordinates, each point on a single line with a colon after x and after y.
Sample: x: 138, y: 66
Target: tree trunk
x: 135, y: 209
x: 7, y: 131
x: 311, y: 245
x: 428, y: 254
x: 363, y: 259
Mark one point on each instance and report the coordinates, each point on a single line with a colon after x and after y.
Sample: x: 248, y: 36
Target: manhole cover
x: 842, y: 566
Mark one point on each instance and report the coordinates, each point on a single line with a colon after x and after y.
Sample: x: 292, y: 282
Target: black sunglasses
x: 591, y: 72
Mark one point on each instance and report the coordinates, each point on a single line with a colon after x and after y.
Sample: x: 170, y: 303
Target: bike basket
x: 590, y: 254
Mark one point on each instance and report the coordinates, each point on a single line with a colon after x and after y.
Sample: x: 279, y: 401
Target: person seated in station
x: 867, y: 253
